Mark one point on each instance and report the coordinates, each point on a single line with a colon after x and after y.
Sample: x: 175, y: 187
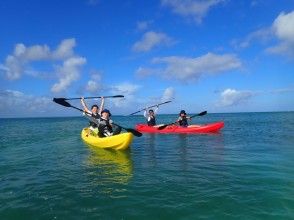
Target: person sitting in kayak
x: 106, y: 127
x: 95, y: 112
x: 182, y: 120
x: 151, y: 121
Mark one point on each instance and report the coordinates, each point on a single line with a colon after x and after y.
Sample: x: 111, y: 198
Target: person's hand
x: 157, y: 106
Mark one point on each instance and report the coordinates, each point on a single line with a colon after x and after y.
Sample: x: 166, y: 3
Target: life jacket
x: 151, y: 121
x: 104, y: 128
x: 92, y: 124
x: 183, y: 121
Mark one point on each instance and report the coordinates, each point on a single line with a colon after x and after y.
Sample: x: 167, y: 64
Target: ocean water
x: 244, y: 172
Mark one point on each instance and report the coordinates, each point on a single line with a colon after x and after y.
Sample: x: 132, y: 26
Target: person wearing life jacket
x: 151, y: 120
x: 106, y: 127
x: 182, y: 120
x: 95, y: 113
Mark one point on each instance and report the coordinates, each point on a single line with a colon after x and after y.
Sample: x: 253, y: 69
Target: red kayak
x: 206, y: 128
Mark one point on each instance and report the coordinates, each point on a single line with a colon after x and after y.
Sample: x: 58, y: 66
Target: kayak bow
x: 116, y: 142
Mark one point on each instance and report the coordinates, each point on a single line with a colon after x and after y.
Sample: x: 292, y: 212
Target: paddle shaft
x: 95, y: 97
x: 150, y: 107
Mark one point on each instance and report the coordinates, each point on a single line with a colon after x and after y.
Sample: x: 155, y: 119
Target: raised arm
x: 101, y: 105
x: 145, y: 113
x: 85, y: 106
x: 156, y: 109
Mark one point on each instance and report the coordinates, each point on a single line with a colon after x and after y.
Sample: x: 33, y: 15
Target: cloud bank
x: 232, y: 97
x: 23, y: 58
x: 151, y: 40
x: 186, y: 69
x: 283, y: 29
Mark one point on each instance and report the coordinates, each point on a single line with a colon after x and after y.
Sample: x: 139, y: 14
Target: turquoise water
x: 244, y: 172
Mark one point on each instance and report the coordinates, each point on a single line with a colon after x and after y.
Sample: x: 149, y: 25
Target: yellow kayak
x: 116, y: 142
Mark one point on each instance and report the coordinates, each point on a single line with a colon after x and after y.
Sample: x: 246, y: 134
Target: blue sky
x: 214, y: 55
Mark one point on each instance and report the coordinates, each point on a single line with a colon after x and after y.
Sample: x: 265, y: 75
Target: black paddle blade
x: 202, y: 113
x: 134, y: 132
x: 61, y: 101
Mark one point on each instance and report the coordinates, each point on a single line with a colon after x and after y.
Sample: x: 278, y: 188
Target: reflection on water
x: 114, y: 166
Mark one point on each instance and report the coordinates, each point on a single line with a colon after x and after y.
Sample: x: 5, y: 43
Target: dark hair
x: 107, y: 111
x: 94, y: 106
x: 151, y: 110
x: 182, y: 112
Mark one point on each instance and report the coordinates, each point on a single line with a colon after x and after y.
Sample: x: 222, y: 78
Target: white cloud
x: 142, y: 72
x: 283, y: 28
x: 195, y: 9
x: 68, y: 73
x: 262, y: 35
x: 168, y: 94
x: 22, y: 59
x: 128, y: 90
x: 64, y: 49
x: 187, y: 69
x: 150, y: 40
x: 232, y: 97
x: 125, y: 88
x: 94, y: 84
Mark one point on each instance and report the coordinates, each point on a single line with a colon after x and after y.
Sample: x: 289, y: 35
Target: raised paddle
x: 91, y: 97
x: 164, y: 126
x: 149, y: 107
x: 66, y: 104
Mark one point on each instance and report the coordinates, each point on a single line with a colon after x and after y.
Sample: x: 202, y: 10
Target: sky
x: 215, y: 55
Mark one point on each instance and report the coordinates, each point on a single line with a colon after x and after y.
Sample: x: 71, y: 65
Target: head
x: 105, y: 113
x: 94, y: 109
x: 151, y: 112
x: 182, y: 113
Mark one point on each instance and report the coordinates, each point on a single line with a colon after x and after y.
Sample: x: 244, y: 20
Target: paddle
x: 66, y: 104
x: 164, y: 126
x: 91, y: 97
x: 149, y: 107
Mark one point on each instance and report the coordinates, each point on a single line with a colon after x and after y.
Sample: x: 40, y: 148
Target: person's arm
x: 156, y: 109
x: 145, y: 113
x: 85, y: 106
x: 101, y: 105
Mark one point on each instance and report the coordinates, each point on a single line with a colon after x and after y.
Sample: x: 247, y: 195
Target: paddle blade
x: 202, y: 113
x: 116, y: 96
x: 61, y: 101
x: 134, y: 132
